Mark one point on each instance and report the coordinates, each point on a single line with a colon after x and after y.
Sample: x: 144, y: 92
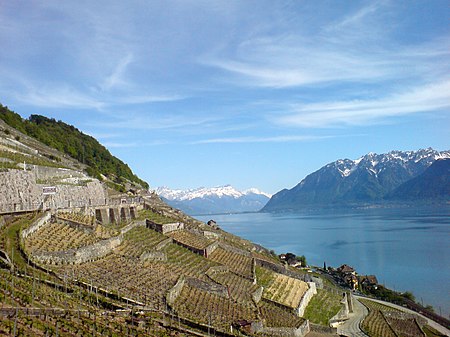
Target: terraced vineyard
x: 56, y: 237
x: 210, y: 309
x: 138, y: 241
x: 146, y: 284
x: 372, y: 305
x: 275, y: 316
x: 405, y: 327
x: 380, y: 316
x: 376, y: 325
x: 77, y: 217
x: 31, y: 307
x: 240, y: 289
x: 181, y: 261
x: 285, y: 290
x: 190, y: 239
x: 240, y: 264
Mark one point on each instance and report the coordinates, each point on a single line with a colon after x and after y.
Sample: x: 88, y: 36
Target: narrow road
x: 351, y: 327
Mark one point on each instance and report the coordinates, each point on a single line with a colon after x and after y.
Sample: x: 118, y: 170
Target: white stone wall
x: 306, y: 298
x: 42, y: 221
x: 19, y: 191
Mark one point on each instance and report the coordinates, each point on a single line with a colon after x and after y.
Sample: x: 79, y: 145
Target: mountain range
x: 396, y: 176
x: 221, y: 199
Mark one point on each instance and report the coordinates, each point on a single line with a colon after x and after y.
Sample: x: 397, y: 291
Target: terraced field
x: 77, y: 217
x: 275, y: 316
x: 138, y: 241
x: 239, y: 288
x: 56, y: 237
x: 210, y: 309
x: 385, y: 320
x: 190, y: 239
x: 285, y: 290
x: 240, y: 264
x: 146, y: 283
x: 182, y: 261
x: 376, y: 325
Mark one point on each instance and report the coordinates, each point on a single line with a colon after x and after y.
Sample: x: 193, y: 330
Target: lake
x: 407, y: 248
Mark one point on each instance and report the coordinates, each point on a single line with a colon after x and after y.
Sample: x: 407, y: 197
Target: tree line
x: 74, y: 143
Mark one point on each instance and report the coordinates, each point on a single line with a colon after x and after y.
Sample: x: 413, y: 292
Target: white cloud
x: 116, y: 78
x: 255, y: 139
x: 426, y: 98
x: 57, y: 97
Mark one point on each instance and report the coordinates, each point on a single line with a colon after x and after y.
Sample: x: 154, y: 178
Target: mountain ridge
x: 346, y: 182
x: 219, y: 199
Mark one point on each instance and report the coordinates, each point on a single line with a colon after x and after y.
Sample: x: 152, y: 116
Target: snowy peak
x: 214, y: 199
x: 202, y: 192
x: 370, y: 178
x: 377, y: 163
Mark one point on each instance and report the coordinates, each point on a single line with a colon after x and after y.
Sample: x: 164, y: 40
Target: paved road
x: 351, y: 326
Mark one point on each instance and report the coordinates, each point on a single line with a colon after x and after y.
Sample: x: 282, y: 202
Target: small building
x: 352, y: 281
x: 346, y: 270
x: 368, y: 281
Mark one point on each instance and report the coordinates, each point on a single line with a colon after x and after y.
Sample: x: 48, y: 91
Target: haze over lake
x: 406, y: 248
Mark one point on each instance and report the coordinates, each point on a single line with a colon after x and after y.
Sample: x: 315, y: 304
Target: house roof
x: 345, y: 269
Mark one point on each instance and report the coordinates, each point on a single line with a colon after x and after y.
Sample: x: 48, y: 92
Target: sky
x: 248, y: 93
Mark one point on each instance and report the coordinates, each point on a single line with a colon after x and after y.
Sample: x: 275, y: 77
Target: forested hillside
x: 71, y: 141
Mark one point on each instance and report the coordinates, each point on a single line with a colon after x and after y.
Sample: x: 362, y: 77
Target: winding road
x: 351, y: 326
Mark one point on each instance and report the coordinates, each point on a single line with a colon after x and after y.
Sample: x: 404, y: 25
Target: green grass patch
x: 264, y: 277
x: 323, y: 306
x: 158, y: 218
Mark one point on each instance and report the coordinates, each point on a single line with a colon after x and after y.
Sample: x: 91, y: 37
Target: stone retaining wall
x: 173, y: 293
x: 306, y: 298
x: 80, y: 255
x: 234, y: 249
x: 41, y: 222
x: 154, y: 256
x: 301, y: 331
x: 20, y: 191
x: 213, y: 288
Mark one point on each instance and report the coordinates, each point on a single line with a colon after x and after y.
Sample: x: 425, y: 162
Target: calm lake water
x: 407, y: 249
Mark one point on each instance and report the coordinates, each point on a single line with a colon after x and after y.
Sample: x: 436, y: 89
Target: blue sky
x: 248, y: 93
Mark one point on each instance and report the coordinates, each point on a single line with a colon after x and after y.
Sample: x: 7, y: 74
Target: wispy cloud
x: 61, y: 96
x: 255, y: 139
x: 422, y: 99
x: 359, y: 47
x: 154, y: 121
x: 116, y: 78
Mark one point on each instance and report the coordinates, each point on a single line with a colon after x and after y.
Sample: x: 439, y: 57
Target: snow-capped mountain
x: 221, y: 199
x: 364, y: 180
